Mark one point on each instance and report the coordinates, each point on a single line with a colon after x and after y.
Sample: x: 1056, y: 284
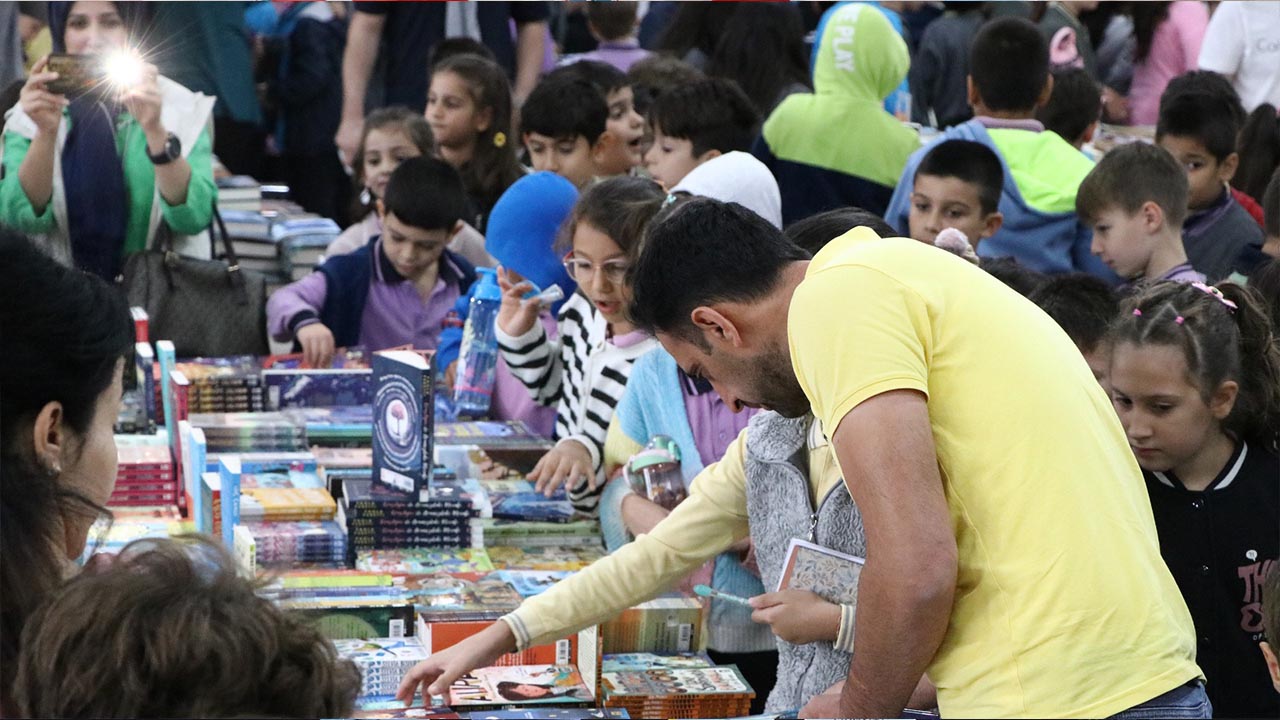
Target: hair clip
x: 499, y: 139
x: 1137, y: 312
x: 671, y: 200
x: 1209, y: 289
x: 1179, y: 319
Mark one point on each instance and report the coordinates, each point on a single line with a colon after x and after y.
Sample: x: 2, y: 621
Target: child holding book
x: 584, y: 371
x: 1195, y: 374
x: 396, y: 290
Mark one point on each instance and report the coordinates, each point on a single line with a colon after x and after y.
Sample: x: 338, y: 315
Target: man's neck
x: 1167, y: 255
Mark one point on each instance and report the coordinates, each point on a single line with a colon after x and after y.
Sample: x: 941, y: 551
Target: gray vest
x: 776, y: 464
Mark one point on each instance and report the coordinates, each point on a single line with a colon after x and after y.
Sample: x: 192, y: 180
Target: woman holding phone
x: 97, y: 174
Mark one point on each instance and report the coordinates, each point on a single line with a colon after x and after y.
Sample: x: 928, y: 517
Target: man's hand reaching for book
x: 435, y: 674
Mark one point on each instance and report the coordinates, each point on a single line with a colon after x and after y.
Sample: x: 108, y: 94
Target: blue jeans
x: 1184, y: 701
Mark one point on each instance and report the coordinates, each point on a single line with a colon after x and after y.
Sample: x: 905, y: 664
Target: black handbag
x: 207, y: 308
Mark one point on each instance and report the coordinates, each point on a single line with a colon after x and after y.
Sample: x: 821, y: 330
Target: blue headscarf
x: 92, y: 171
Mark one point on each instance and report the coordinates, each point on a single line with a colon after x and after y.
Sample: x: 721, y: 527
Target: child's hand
x: 797, y: 616
x: 451, y: 375
x: 438, y: 672
x: 566, y: 462
x: 317, y: 345
x: 517, y: 315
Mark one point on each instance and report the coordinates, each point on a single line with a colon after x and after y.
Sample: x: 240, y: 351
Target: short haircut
x: 714, y: 114
x: 1009, y: 64
x: 657, y: 74
x: 970, y: 162
x: 565, y: 108
x: 451, y: 47
x: 171, y: 630
x: 1131, y: 175
x: 814, y: 232
x: 1271, y: 607
x: 1014, y: 274
x: 1083, y: 305
x: 702, y: 252
x: 1074, y: 104
x: 613, y: 20
x: 427, y: 193
x: 604, y: 76
x: 1271, y: 206
x: 1202, y: 105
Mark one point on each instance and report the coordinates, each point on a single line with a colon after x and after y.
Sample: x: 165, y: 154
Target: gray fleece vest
x: 777, y: 471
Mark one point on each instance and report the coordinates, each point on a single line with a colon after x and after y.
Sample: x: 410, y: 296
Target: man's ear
x: 716, y: 328
x: 1227, y: 168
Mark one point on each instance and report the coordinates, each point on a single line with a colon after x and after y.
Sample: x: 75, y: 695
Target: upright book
x: 403, y: 420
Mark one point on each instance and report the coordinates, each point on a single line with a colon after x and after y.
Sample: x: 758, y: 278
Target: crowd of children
x: 1148, y: 258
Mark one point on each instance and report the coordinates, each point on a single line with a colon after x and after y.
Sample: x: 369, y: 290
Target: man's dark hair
x: 1014, y: 274
x: 814, y: 232
x: 565, y: 108
x: 1203, y: 105
x: 713, y: 114
x: 613, y: 20
x: 1009, y: 63
x: 1083, y: 305
x: 1074, y: 104
x: 604, y: 76
x: 970, y: 162
x: 452, y: 47
x: 657, y: 74
x: 702, y: 252
x: 427, y: 193
x: 1128, y: 177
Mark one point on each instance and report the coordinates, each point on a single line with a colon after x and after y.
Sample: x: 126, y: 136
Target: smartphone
x: 77, y: 74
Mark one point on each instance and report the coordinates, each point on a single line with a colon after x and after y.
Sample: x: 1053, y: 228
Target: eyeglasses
x: 582, y: 271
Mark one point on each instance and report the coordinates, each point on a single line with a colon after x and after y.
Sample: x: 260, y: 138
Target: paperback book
x: 403, y: 420
x: 519, y: 685
x: 830, y: 574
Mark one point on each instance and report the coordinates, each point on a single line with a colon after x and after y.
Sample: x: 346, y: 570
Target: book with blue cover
x: 403, y: 421
x: 294, y: 388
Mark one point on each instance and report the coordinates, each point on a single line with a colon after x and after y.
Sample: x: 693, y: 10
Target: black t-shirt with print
x: 1219, y: 543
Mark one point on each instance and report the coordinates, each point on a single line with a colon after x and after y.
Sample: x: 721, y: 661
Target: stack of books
x: 145, y: 475
x: 707, y: 692
x: 422, y: 561
x: 445, y: 597
x: 336, y: 426
x: 378, y: 520
x: 669, y: 624
x: 307, y: 388
x: 238, y: 193
x: 532, y: 533
x: 133, y: 523
x: 346, y: 604
x: 383, y: 662
x: 230, y: 384
x: 550, y: 557
x: 303, y: 241
x: 520, y: 500
x: 237, y: 432
x: 298, y: 544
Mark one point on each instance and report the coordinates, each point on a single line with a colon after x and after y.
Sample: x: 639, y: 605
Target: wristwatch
x: 172, y: 151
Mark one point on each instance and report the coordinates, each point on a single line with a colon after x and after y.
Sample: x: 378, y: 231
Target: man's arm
x: 885, y: 448
x: 531, y: 38
x: 363, y: 38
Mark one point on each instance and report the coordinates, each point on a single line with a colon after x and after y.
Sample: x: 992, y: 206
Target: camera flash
x: 124, y: 69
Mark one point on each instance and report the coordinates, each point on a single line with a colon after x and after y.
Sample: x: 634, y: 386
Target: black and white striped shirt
x: 582, y: 374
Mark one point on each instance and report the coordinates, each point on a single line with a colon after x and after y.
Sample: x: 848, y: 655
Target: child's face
x: 1166, y: 418
x: 1122, y: 241
x: 384, y: 150
x: 412, y: 250
x: 454, y: 118
x: 570, y: 158
x: 601, y: 272
x: 669, y: 159
x: 626, y: 128
x: 938, y: 203
x: 1205, y: 175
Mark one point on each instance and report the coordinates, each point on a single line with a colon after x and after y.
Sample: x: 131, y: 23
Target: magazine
x: 520, y: 684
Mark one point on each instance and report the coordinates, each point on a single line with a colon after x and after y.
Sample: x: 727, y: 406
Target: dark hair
x: 613, y: 20
x: 604, y: 76
x: 1271, y: 606
x: 1201, y: 104
x: 1219, y: 344
x: 620, y: 207
x: 1074, y: 104
x: 1009, y: 64
x: 714, y: 114
x: 814, y: 232
x: 64, y: 333
x: 1014, y: 274
x: 696, y: 26
x: 1083, y: 305
x: 565, y: 108
x: 762, y: 49
x: 452, y: 47
x: 1131, y: 175
x: 655, y: 75
x: 427, y: 193
x: 1265, y: 280
x: 1271, y: 206
x: 970, y: 162
x: 401, y: 118
x: 1259, y: 148
x: 493, y: 165
x: 171, y: 630
x: 1147, y: 16
x: 701, y: 252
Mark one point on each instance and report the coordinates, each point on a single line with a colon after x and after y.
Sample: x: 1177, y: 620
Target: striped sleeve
x: 535, y: 360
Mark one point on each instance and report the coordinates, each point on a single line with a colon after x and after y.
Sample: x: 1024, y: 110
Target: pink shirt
x: 1175, y: 49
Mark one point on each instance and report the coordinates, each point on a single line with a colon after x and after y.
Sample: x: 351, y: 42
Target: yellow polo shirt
x: 1063, y: 605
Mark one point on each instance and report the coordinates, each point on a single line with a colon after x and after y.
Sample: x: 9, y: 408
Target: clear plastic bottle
x: 654, y: 472
x: 478, y: 358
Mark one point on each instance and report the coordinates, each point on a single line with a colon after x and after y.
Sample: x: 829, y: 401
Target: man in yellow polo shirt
x: 1012, y: 552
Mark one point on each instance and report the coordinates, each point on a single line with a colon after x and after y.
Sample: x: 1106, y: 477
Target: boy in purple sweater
x: 397, y: 290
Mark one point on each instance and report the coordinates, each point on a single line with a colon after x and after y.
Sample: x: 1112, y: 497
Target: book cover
x: 229, y: 478
x: 403, y: 420
x: 489, y: 433
x: 519, y: 685
x: 421, y: 561
x: 141, y: 322
x: 624, y: 662
x: 532, y: 582
x: 292, y: 388
x: 442, y: 597
x: 377, y: 707
x: 145, y: 373
x: 210, y: 518
x: 194, y: 451
x: 551, y: 557
x: 830, y: 574
x: 665, y: 682
x: 383, y: 662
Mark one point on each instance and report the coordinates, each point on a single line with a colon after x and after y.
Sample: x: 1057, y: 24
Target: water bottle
x: 478, y: 358
x: 654, y: 472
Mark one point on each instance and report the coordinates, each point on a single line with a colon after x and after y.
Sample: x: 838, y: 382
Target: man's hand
x: 317, y: 345
x: 435, y: 674
x: 797, y: 616
x: 568, y: 461
x: 826, y: 705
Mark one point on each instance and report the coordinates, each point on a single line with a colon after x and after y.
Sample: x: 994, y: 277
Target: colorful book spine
x: 167, y: 356
x: 141, y: 322
x: 229, y: 474
x: 145, y: 366
x: 176, y: 388
x: 195, y: 453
